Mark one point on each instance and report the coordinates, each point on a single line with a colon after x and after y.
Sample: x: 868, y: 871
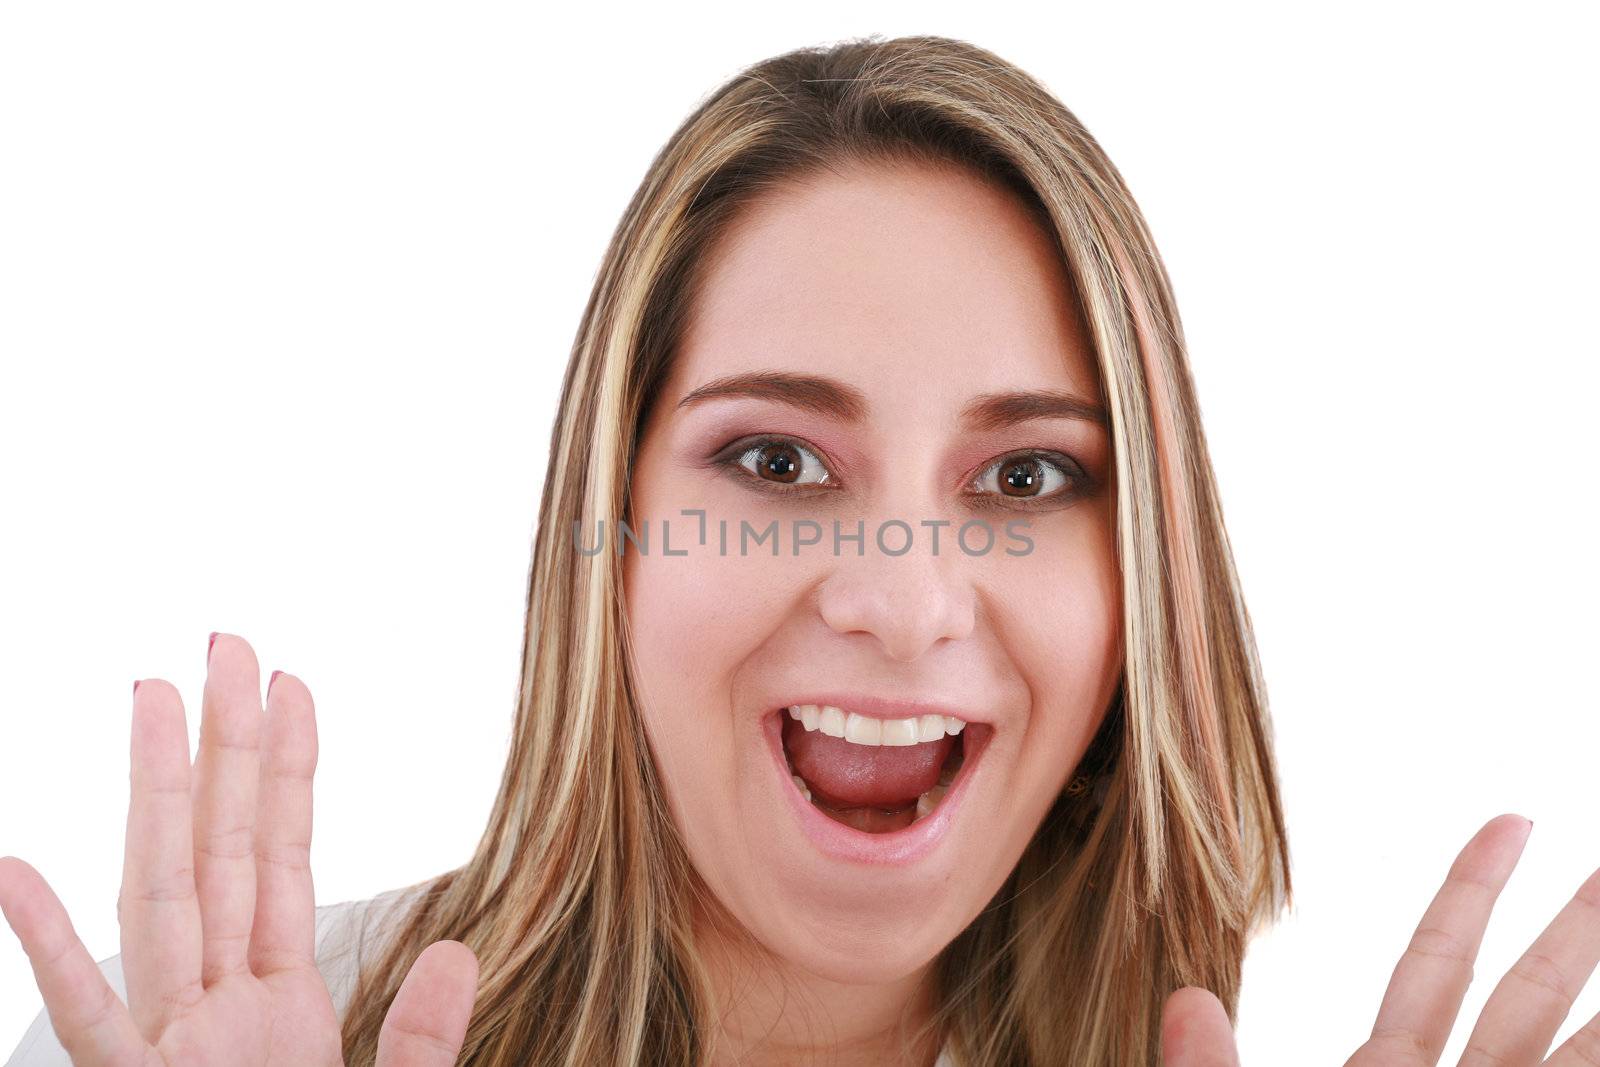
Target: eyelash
x: 732, y: 458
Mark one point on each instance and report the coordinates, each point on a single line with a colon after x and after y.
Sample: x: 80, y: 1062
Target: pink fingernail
x: 135, y: 688
x: 208, y: 647
x: 274, y: 678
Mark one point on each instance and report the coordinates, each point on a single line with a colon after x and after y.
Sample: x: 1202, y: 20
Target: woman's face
x: 891, y: 344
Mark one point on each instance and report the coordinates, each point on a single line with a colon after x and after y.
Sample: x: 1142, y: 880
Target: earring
x: 1089, y: 791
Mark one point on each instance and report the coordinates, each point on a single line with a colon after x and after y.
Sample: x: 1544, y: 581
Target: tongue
x: 844, y: 774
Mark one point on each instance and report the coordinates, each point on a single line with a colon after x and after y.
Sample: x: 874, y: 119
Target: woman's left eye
x: 1027, y: 477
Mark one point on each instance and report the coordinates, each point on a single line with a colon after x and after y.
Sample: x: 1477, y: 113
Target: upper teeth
x: 865, y: 730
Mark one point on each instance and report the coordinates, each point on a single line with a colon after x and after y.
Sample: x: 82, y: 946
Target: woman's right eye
x: 778, y: 463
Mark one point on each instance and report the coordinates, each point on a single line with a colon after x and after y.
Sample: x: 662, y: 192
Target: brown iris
x: 779, y: 462
x: 1021, y: 477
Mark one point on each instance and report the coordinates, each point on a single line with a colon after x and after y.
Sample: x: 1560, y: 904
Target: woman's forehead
x: 915, y: 286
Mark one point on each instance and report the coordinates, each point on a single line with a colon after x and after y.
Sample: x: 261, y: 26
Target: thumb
x: 1195, y: 1031
x: 428, y: 1019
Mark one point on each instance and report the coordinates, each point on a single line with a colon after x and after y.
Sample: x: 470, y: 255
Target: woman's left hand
x: 1425, y: 992
x: 1195, y: 1031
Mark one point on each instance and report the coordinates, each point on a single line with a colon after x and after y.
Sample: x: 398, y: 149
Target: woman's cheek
x: 699, y: 622
x: 1059, y: 611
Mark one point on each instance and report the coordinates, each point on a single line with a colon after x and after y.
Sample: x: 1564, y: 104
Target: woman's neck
x: 772, y: 1013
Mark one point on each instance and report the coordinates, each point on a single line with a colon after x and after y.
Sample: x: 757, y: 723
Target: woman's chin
x: 851, y: 950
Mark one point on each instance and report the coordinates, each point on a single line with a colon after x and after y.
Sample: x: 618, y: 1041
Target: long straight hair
x: 579, y: 895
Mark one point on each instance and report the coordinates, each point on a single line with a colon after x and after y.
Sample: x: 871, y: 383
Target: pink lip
x: 896, y: 849
x: 885, y: 707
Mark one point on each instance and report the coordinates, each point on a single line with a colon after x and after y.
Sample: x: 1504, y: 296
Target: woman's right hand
x: 216, y: 908
x: 1429, y: 983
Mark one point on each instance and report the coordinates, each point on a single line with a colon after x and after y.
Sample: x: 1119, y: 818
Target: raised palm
x: 1429, y: 983
x: 216, y: 908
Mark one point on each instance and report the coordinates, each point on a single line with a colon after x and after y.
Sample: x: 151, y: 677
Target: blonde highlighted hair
x: 579, y: 895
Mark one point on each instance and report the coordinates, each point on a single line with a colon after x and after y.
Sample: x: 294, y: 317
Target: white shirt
x: 344, y: 939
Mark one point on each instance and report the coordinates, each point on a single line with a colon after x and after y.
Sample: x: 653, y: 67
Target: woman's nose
x: 908, y: 602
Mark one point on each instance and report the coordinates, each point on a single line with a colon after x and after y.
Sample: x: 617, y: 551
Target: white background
x: 286, y: 292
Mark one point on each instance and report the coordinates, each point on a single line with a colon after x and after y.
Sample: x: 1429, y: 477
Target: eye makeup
x: 804, y: 473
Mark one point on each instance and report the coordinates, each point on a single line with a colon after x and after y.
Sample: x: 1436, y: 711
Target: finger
x: 156, y: 906
x: 1582, y: 1049
x: 1195, y: 1031
x: 1530, y: 1003
x: 92, y: 1025
x: 428, y: 1019
x: 226, y: 771
x: 1425, y: 992
x: 284, y: 935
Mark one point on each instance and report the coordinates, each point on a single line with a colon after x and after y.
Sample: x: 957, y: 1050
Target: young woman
x: 888, y: 695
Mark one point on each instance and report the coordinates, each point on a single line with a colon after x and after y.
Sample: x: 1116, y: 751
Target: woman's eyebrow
x: 996, y: 411
x: 834, y: 399
x: 821, y: 396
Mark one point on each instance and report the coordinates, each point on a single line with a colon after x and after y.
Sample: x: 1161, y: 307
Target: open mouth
x: 879, y: 776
